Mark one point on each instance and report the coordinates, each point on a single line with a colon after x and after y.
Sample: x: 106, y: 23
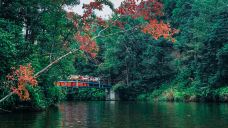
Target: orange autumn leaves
x: 149, y: 10
x: 22, y: 77
x: 159, y: 29
x: 87, y: 44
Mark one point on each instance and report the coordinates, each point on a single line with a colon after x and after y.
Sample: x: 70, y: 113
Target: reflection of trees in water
x: 52, y: 118
x: 74, y: 114
x: 87, y: 114
x: 102, y: 114
x: 121, y: 115
x: 190, y: 115
x: 47, y: 119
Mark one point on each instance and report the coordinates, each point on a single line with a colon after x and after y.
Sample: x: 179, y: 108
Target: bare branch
x: 7, y: 96
x: 54, y: 62
x: 4, y: 110
x: 99, y: 34
x: 119, y: 32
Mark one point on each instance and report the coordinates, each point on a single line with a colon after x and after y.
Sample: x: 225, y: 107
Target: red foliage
x: 101, y: 22
x: 87, y: 44
x: 22, y: 76
x: 147, y: 9
x: 70, y: 15
x: 150, y: 10
x: 159, y: 29
x: 87, y: 27
x: 119, y: 24
x: 75, y: 24
x: 89, y: 9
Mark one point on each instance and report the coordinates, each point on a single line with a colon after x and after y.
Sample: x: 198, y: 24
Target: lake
x: 116, y: 114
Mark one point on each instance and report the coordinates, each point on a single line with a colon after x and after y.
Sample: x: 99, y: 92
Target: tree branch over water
x: 43, y: 70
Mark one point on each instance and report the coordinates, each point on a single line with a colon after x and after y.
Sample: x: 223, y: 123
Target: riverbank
x: 181, y: 94
x: 163, y: 93
x: 87, y: 94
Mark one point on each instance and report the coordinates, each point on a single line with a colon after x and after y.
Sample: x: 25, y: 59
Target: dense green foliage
x: 87, y: 94
x: 193, y: 68
x: 36, y: 32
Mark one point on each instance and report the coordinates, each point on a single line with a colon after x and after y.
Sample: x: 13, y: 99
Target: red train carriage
x: 80, y: 81
x: 71, y: 83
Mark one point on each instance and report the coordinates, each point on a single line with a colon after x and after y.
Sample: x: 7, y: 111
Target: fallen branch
x: 4, y: 110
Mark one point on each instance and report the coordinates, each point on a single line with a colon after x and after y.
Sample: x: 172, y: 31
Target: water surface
x: 112, y: 114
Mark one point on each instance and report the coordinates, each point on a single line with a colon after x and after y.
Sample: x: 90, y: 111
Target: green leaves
x: 10, y: 39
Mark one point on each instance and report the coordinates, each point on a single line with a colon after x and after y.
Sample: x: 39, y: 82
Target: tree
x: 49, y: 31
x: 200, y: 43
x: 36, y: 32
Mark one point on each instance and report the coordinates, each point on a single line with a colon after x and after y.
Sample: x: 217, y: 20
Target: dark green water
x: 122, y: 115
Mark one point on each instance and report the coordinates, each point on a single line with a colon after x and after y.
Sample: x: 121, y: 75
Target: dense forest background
x: 193, y: 68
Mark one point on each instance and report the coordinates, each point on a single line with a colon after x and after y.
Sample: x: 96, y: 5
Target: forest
x: 148, y: 50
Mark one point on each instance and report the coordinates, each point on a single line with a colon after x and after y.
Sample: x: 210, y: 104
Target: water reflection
x: 48, y: 119
x: 122, y: 115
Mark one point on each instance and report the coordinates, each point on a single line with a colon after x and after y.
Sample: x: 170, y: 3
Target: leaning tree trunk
x: 6, y: 97
x: 65, y: 55
x: 42, y: 71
